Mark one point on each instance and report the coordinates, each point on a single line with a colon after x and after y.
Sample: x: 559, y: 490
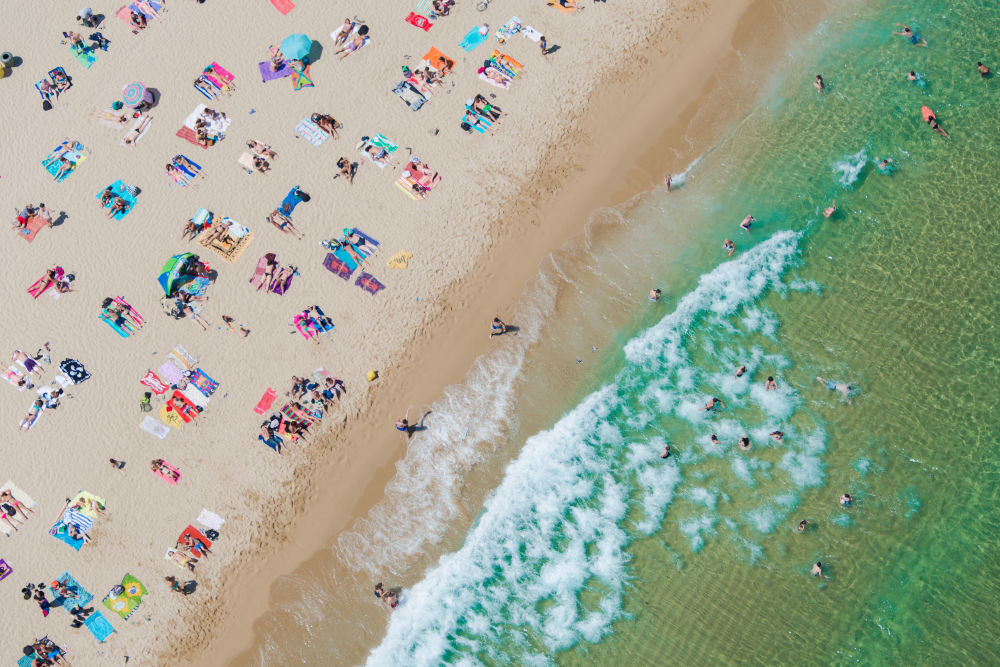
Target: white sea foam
x: 558, y: 524
x: 848, y: 170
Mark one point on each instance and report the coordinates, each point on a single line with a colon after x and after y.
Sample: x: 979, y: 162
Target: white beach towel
x: 531, y: 33
x: 153, y: 427
x: 210, y: 520
x: 194, y: 395
x: 23, y: 497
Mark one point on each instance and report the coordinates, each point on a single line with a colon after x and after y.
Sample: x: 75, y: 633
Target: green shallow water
x: 908, y: 307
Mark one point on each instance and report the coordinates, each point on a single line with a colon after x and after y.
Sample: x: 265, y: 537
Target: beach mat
x: 60, y: 531
x: 283, y: 6
x: 210, y: 520
x: 85, y: 57
x: 98, y: 626
x: 266, y: 74
x: 264, y: 404
x: 154, y: 428
x: 35, y: 225
x: 83, y: 597
x: 337, y: 267
x: 419, y: 21
x: 473, y: 39
x: 125, y: 598
x: 367, y: 282
x: 311, y: 132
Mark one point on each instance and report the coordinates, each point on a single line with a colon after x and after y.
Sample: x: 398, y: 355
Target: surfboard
x: 927, y: 113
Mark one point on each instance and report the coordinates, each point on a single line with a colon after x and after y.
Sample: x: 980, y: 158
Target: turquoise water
x: 592, y: 549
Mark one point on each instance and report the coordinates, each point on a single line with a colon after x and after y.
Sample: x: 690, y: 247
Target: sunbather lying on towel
x: 422, y: 174
x: 482, y: 106
x: 442, y: 7
x: 381, y: 155
x: 120, y: 206
x: 111, y: 116
x: 359, y: 40
x: 346, y: 169
x: 53, y: 277
x: 472, y: 119
x: 29, y: 364
x: 188, y: 543
x: 344, y: 32
x: 178, y: 176
x: 283, y: 222
x: 326, y: 123
x: 224, y: 82
x: 156, y: 465
x: 260, y: 149
x: 137, y: 20
x: 219, y: 230
x: 137, y: 131
x: 496, y: 77
x: 182, y: 559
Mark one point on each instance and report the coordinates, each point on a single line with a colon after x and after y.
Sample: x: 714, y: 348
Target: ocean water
x: 569, y: 540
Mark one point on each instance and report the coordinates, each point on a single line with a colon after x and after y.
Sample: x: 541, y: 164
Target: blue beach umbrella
x: 171, y: 271
x: 296, y: 47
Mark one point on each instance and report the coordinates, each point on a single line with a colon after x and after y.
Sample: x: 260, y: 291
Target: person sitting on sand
x: 25, y: 215
x: 844, y: 388
x: 344, y: 32
x: 346, y: 169
x: 201, y: 136
x: 137, y: 20
x: 182, y: 559
x: 65, y: 166
x: 747, y: 221
x: 47, y: 89
x: 107, y: 196
x: 283, y: 222
x: 830, y: 210
x: 911, y: 36
x: 190, y: 230
x: 61, y: 82
x: 984, y: 71
x: 497, y: 327
x: 442, y: 7
x: 120, y: 206
x: 260, y: 149
x: 176, y: 586
x: 76, y: 40
x: 712, y: 403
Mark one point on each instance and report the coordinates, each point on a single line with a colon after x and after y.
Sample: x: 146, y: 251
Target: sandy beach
x: 503, y: 203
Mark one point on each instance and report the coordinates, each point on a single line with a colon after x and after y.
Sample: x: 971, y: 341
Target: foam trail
x: 561, y: 518
x: 849, y: 169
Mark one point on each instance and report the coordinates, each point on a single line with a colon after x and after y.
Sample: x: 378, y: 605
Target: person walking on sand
x: 543, y: 45
x: 818, y: 83
x: 403, y: 425
x: 747, y: 221
x: 729, y: 247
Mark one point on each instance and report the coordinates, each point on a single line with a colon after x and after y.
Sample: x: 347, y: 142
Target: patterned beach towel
x: 337, y: 267
x: 367, y: 282
x: 125, y: 598
x: 310, y: 132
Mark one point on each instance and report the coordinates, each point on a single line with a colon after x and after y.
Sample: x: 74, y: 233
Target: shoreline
x: 439, y: 363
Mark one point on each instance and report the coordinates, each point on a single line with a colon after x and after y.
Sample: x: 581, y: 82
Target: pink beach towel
x: 283, y: 6
x: 168, y: 478
x: 187, y: 134
x: 223, y: 75
x: 169, y: 372
x: 264, y: 404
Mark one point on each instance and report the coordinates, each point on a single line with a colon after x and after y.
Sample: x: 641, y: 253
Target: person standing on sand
x: 666, y: 182
x: 544, y: 45
x: 403, y: 425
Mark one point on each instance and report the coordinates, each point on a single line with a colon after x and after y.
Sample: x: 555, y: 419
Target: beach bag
x: 8, y: 509
x: 212, y: 534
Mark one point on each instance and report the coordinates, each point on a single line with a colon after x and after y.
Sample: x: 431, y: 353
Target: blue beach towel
x: 26, y: 660
x: 292, y: 200
x: 473, y: 39
x: 99, y: 626
x: 61, y: 533
x: 83, y: 597
x: 346, y: 258
x: 74, y: 155
x: 111, y: 323
x: 120, y: 190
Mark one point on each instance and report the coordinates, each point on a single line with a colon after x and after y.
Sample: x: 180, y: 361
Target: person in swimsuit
x: 157, y: 465
x: 712, y: 403
x: 182, y: 559
x: 391, y: 599
x: 497, y: 328
x: 666, y: 452
x: 344, y: 32
x: 740, y: 371
x: 911, y: 36
x: 729, y: 247
x: 353, y: 46
x: 284, y: 223
x: 175, y: 585
x: 984, y: 71
x: 830, y: 210
x: 912, y: 76
x: 932, y: 121
x: 777, y: 435
x: 770, y: 385
x: 817, y: 570
x: 65, y: 166
x: 403, y: 425
x: 802, y: 526
x: 744, y: 443
x: 346, y: 169
x: 844, y: 388
x: 747, y: 221
x: 715, y: 440
x: 818, y: 83
x: 846, y: 500
x: 29, y: 364
x: 120, y: 206
x: 655, y: 294
x: 260, y: 149
x: 379, y: 591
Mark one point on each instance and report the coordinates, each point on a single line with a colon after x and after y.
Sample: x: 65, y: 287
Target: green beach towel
x: 126, y: 597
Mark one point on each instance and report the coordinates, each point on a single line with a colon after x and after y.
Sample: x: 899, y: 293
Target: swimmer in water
x: 729, y: 246
x: 884, y: 166
x: 715, y: 439
x: 817, y: 570
x: 932, y: 121
x: 912, y: 76
x: 802, y: 526
x: 830, y: 210
x: 712, y: 403
x: 818, y: 83
x: 844, y: 388
x: 654, y: 294
x: 740, y: 371
x: 666, y: 452
x: 745, y: 225
x: 666, y: 182
x: 984, y: 71
x: 745, y: 443
x: 770, y: 385
x: 846, y: 500
x: 911, y: 37
x: 777, y: 435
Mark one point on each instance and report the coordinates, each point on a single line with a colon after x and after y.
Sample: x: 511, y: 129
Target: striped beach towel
x: 310, y: 132
x: 83, y: 522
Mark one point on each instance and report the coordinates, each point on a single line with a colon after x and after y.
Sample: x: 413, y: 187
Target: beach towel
x: 378, y: 141
x: 473, y: 39
x: 170, y: 373
x: 35, y: 225
x: 59, y: 70
x: 210, y: 520
x: 411, y: 188
x: 74, y: 370
x: 74, y: 152
x: 509, y: 66
x: 169, y: 479
x: 13, y: 376
x: 419, y: 21
x: 125, y: 14
x: 190, y: 136
x: 183, y: 405
x: 148, y: 120
x: 311, y: 132
x: 98, y: 626
x: 367, y: 282
x: 154, y: 383
x: 400, y: 260
x: 195, y: 535
x: 207, y: 87
x: 87, y: 501
x: 301, y: 78
x: 21, y: 496
x: 508, y: 29
x: 267, y: 74
x: 292, y: 199
x: 203, y: 382
x: 125, y: 598
x: 60, y: 531
x: 170, y: 417
x: 337, y: 266
x: 219, y: 77
x: 283, y: 6
x: 194, y: 396
x: 119, y: 189
x: 78, y: 594
x: 155, y: 428
x: 345, y: 257
x: 182, y: 358
x: 233, y: 243
x: 531, y: 33
x: 264, y: 404
x: 5, y: 569
x: 85, y: 56
x: 410, y: 95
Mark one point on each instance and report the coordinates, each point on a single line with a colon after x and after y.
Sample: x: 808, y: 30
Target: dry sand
x: 505, y: 201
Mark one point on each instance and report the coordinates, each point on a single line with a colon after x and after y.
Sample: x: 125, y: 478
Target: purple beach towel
x: 367, y: 282
x: 267, y: 75
x: 337, y: 267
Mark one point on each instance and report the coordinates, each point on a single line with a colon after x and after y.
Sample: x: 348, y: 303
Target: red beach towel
x: 154, y: 383
x: 283, y: 6
x: 187, y: 134
x: 264, y: 404
x: 419, y: 21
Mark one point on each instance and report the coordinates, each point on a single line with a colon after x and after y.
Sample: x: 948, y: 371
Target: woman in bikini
x: 326, y: 123
x: 182, y: 559
x: 355, y: 44
x: 120, y: 206
x: 7, y: 498
x: 283, y: 222
x: 260, y: 149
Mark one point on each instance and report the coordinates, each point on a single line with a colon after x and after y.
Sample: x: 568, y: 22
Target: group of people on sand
x: 28, y: 212
x: 261, y: 153
x: 346, y: 45
x: 113, y: 203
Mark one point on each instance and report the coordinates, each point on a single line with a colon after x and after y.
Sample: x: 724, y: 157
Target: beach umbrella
x: 171, y: 271
x: 296, y: 47
x: 133, y: 94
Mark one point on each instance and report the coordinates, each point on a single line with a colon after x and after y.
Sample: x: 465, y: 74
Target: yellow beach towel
x: 400, y: 260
